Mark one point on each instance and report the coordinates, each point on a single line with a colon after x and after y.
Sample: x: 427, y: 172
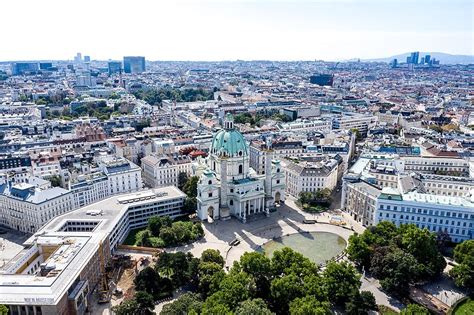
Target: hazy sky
x: 233, y: 29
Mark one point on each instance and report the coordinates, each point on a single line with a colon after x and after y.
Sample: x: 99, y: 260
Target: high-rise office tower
x: 133, y: 64
x: 45, y: 65
x: 115, y: 67
x: 87, y: 58
x: 427, y: 59
x: 414, y: 57
x: 78, y: 58
x: 394, y: 63
x: 19, y: 68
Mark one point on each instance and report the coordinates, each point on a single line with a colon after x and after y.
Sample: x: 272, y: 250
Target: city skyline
x: 231, y: 30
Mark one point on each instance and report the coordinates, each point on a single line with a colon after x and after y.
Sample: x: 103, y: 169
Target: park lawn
x: 131, y: 237
x: 465, y: 308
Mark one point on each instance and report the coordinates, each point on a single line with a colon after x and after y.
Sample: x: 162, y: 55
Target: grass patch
x: 385, y: 310
x: 465, y: 308
x: 131, y: 237
x: 314, y: 209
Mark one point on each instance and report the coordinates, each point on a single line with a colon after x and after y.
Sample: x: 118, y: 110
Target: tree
x: 185, y: 304
x: 340, y: 280
x: 154, y: 225
x: 259, y: 267
x: 284, y: 290
x: 55, y: 180
x: 287, y: 261
x: 214, y: 305
x: 174, y: 266
x: 309, y: 305
x: 414, y: 309
x: 141, y: 304
x: 182, y: 231
x: 314, y: 286
x: 361, y: 303
x: 210, y: 275
x: 442, y: 240
x: 148, y: 280
x: 144, y: 302
x: 167, y: 234
x: 253, y: 307
x: 3, y: 309
x: 212, y: 255
x: 399, y: 270
x: 421, y: 243
x: 463, y: 272
x: 182, y: 179
x: 464, y: 251
x: 190, y: 205
x: 236, y: 287
x: 358, y: 251
x: 190, y: 188
x: 142, y: 238
x: 128, y: 307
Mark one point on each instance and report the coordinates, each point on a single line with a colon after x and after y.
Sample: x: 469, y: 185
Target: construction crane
x: 104, y: 290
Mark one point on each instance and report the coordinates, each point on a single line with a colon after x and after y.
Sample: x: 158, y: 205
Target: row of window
x: 452, y: 231
x: 428, y: 211
x: 426, y: 219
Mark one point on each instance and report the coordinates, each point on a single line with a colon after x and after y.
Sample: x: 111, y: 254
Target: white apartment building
x: 448, y: 185
x: 122, y: 175
x: 259, y: 149
x: 360, y: 122
x: 160, y: 171
x: 428, y: 164
x: 359, y: 199
x: 454, y: 215
x: 89, y: 188
x: 310, y: 175
x: 306, y: 125
x: 45, y: 168
x: 26, y: 208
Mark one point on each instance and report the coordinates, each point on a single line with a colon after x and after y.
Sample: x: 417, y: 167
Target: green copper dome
x: 229, y: 142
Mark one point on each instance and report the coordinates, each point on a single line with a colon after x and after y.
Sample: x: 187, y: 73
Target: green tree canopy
x: 185, y: 304
x: 212, y: 255
x: 414, y: 309
x: 341, y: 279
x: 463, y: 272
x: 361, y: 303
x: 309, y: 305
x: 253, y: 307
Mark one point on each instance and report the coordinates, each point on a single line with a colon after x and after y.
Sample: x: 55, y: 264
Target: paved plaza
x: 261, y: 229
x: 287, y: 220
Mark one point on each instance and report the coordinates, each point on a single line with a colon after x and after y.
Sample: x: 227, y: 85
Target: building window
x: 241, y: 169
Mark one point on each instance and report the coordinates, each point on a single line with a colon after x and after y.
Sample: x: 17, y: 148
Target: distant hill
x: 442, y: 57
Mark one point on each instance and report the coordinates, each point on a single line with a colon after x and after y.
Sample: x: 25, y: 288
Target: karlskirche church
x: 228, y: 186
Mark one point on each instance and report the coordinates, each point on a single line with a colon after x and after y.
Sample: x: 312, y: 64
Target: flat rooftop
x: 73, y: 250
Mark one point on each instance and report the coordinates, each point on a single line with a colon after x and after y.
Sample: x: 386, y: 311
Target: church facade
x: 228, y: 186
